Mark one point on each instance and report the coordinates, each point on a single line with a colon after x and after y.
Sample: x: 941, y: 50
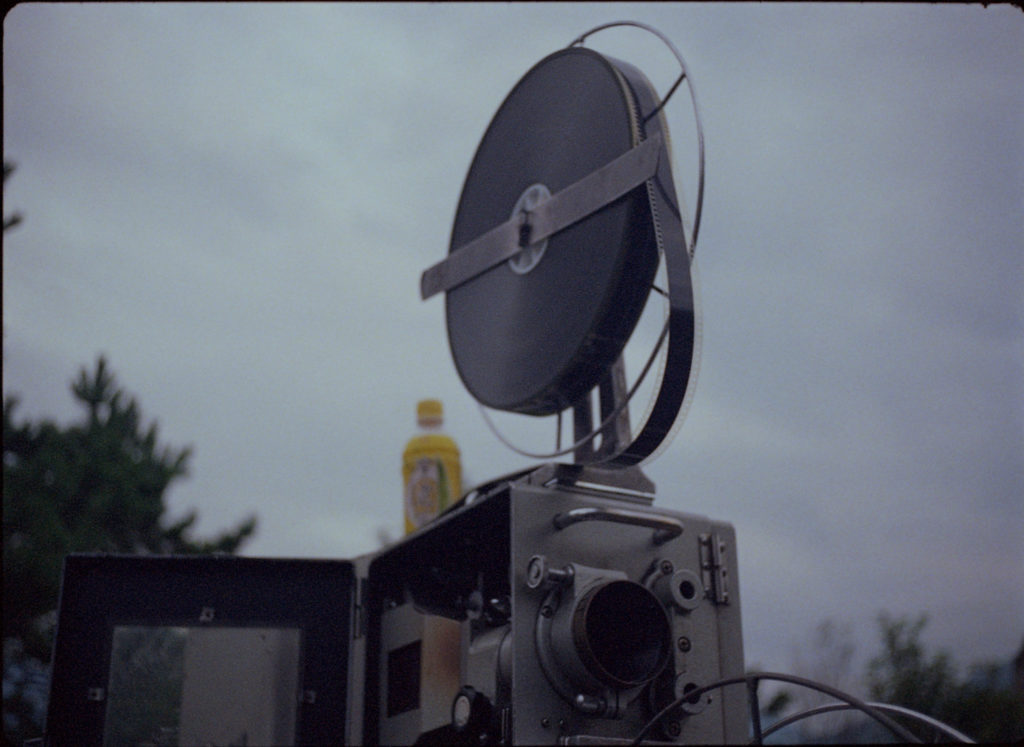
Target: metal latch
x: 359, y: 608
x: 714, y: 573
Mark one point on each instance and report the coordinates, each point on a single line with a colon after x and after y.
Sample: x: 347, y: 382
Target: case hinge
x: 714, y: 572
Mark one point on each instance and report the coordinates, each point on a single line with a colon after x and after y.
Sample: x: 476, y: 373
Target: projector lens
x: 621, y: 633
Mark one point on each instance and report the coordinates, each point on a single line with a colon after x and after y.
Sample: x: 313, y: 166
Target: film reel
x: 567, y: 208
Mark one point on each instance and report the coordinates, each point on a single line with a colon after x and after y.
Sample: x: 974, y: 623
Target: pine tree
x: 97, y: 485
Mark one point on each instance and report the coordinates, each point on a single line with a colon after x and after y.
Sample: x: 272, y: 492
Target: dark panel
x: 101, y: 592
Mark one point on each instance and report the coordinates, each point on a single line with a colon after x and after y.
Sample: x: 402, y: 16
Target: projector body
x: 575, y: 611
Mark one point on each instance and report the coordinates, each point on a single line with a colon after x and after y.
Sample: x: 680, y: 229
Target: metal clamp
x: 664, y: 528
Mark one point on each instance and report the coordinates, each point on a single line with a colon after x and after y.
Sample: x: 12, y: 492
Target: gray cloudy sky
x: 234, y: 203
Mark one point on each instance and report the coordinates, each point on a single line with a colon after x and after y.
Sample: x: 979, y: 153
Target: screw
x: 666, y: 567
x: 684, y: 644
x: 539, y: 574
x: 545, y: 722
x: 535, y: 571
x: 546, y: 610
x: 673, y: 729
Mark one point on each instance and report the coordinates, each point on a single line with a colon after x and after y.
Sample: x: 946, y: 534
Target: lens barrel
x: 621, y: 633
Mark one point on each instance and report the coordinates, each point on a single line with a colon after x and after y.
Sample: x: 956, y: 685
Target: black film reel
x: 567, y: 206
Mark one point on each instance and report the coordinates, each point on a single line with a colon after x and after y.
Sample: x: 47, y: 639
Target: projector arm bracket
x: 564, y: 208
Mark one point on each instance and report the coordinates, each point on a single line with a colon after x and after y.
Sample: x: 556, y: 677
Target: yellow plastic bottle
x: 432, y: 476
x: 431, y: 468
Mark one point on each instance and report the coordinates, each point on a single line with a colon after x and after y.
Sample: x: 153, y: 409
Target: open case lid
x: 230, y: 648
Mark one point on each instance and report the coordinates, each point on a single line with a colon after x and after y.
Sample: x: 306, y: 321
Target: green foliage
x: 988, y: 710
x: 10, y: 221
x: 779, y: 704
x: 906, y: 674
x: 903, y: 674
x: 95, y: 486
x: 986, y: 705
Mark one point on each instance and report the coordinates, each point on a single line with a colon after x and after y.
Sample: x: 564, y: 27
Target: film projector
x: 553, y: 606
x: 584, y: 610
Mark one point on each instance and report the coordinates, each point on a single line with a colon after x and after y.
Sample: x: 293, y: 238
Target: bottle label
x: 426, y: 493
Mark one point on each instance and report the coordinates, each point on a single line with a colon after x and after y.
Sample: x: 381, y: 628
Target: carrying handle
x: 664, y: 528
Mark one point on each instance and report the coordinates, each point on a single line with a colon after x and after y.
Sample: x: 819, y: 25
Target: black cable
x: 755, y: 709
x: 901, y: 733
x: 946, y: 730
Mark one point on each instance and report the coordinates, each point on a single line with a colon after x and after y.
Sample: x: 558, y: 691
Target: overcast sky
x: 234, y: 203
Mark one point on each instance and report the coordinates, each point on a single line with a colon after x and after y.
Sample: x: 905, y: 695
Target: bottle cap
x: 429, y: 411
